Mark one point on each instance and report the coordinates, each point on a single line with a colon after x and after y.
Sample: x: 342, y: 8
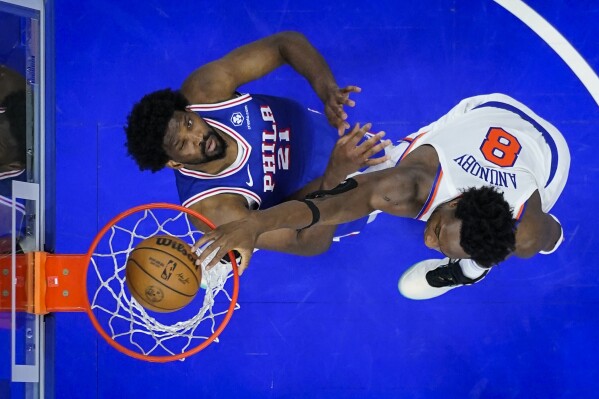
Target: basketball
x: 161, y: 273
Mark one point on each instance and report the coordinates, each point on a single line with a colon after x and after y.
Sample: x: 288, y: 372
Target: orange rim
x: 127, y: 351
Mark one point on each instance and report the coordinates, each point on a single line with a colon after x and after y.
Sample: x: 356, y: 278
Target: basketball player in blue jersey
x: 483, y: 178
x: 234, y: 152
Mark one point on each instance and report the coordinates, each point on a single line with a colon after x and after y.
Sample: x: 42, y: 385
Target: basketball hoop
x: 114, y: 313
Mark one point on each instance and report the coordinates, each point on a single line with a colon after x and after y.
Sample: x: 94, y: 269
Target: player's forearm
x: 299, y: 53
x: 293, y: 215
x: 325, y: 182
x: 328, y: 211
x: 306, y: 242
x: 314, y: 241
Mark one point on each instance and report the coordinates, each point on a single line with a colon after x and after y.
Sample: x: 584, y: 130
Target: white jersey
x: 493, y: 140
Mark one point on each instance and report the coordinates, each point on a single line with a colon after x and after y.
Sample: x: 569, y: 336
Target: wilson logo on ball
x: 183, y: 249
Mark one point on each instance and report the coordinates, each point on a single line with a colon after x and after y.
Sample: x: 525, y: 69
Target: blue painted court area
x: 335, y: 326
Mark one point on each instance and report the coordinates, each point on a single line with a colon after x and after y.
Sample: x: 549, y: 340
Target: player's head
x: 478, y: 225
x: 13, y: 134
x: 160, y: 132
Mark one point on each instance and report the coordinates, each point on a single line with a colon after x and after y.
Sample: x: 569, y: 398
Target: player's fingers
x: 343, y: 99
x: 218, y: 253
x: 351, y: 89
x: 342, y: 127
x: 206, y: 251
x: 373, y: 145
x: 341, y: 141
x: 335, y: 105
x: 377, y: 148
x: 358, y: 132
x: 203, y: 240
x: 213, y: 242
x: 340, y: 124
x: 354, y: 136
x: 337, y: 116
x: 341, y: 113
x: 376, y: 161
x: 371, y: 160
x: 371, y: 142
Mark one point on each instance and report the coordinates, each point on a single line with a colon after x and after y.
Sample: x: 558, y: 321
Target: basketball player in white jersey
x: 483, y: 178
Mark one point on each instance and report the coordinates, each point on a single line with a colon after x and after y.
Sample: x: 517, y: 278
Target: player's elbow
x: 288, y: 39
x: 291, y: 35
x: 311, y: 247
x: 527, y: 248
x: 319, y: 248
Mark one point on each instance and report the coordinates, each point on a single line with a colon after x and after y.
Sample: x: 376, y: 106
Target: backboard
x: 22, y: 192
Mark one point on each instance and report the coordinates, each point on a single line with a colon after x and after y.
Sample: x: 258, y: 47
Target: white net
x: 126, y: 321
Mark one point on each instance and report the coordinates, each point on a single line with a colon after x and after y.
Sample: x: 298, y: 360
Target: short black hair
x: 488, y: 232
x: 147, y: 124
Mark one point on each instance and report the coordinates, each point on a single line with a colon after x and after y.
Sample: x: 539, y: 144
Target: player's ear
x: 453, y: 203
x: 174, y: 164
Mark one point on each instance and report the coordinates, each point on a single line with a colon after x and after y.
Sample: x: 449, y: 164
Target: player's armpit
x: 397, y: 191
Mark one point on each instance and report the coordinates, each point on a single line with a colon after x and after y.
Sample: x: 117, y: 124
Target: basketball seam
x: 193, y: 273
x: 160, y: 282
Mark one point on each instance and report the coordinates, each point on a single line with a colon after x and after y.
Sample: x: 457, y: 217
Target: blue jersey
x: 282, y: 146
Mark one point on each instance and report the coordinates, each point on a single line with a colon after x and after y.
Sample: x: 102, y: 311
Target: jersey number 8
x: 500, y: 147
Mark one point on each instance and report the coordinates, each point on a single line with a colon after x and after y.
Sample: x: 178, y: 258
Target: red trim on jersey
x: 407, y: 151
x: 431, y: 198
x: 240, y: 140
x: 222, y: 105
x: 520, y: 211
x: 222, y: 190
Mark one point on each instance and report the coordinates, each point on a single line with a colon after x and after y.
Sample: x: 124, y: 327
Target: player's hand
x: 335, y: 99
x: 348, y: 157
x: 240, y: 235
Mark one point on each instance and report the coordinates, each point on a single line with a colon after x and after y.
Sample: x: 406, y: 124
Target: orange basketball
x: 162, y: 274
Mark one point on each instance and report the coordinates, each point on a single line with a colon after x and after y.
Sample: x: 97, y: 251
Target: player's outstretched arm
x: 218, y: 80
x: 370, y: 192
